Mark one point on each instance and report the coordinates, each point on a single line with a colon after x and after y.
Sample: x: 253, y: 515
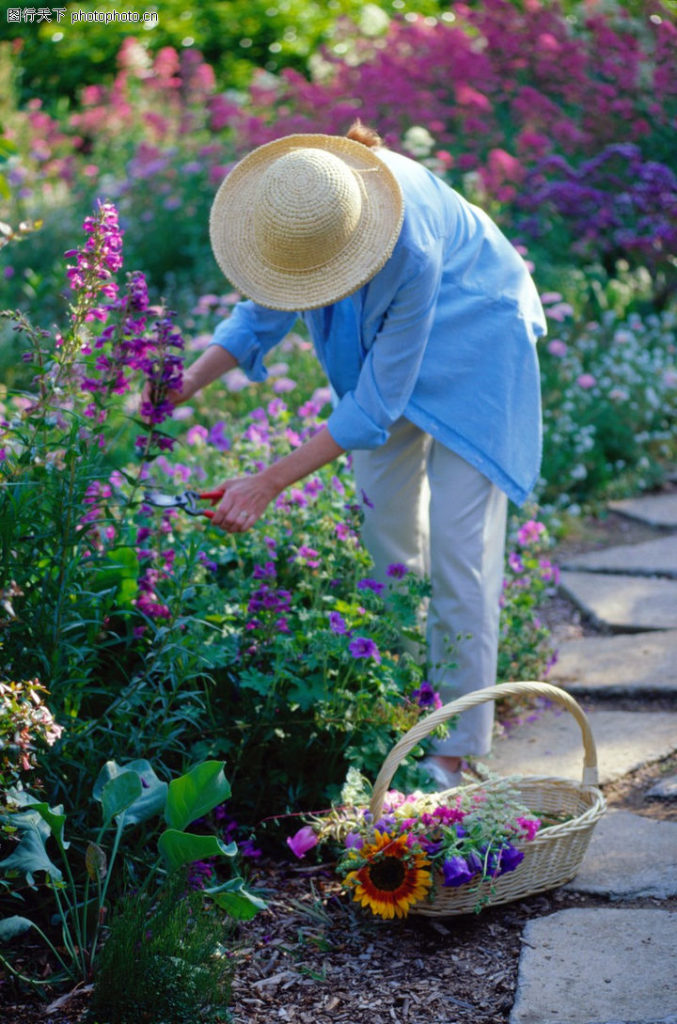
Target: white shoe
x: 441, y: 775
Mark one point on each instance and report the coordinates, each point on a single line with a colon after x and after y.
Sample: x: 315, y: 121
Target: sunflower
x: 392, y: 877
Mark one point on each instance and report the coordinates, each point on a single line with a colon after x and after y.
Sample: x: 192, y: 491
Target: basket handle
x: 472, y: 700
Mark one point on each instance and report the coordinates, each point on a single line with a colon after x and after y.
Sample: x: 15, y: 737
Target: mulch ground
x: 314, y: 957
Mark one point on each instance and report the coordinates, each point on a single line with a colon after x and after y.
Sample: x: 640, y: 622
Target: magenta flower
x: 586, y: 381
x: 530, y: 531
x: 302, y: 841
x: 530, y: 826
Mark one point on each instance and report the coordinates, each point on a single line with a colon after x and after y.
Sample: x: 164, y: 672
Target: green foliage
x: 164, y: 960
x: 56, y: 57
x: 129, y: 795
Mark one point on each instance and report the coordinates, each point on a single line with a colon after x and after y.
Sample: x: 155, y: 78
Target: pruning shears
x: 187, y: 501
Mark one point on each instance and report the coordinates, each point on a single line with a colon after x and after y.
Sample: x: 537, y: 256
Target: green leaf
x: 7, y: 148
x: 30, y: 855
x: 121, y: 574
x: 10, y: 927
x: 237, y: 901
x: 196, y: 793
x: 53, y: 817
x: 119, y: 794
x: 153, y: 791
x: 179, y: 848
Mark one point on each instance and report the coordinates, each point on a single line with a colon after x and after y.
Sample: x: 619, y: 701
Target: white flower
x: 418, y: 141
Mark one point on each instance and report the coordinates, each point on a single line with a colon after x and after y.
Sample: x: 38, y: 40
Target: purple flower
x: 426, y: 697
x: 247, y: 849
x: 303, y: 840
x: 337, y: 624
x: 217, y: 437
x: 363, y: 647
x: 397, y: 571
x: 509, y: 858
x: 370, y: 584
x: 206, y: 561
x: 456, y: 871
x: 515, y: 562
x: 265, y: 571
x: 354, y: 841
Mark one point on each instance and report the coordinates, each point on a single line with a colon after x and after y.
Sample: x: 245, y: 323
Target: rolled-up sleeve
x: 363, y: 416
x: 250, y: 332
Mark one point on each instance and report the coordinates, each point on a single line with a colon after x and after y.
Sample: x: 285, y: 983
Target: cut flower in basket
x: 422, y: 842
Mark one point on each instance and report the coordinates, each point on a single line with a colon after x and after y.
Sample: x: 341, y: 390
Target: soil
x: 313, y: 957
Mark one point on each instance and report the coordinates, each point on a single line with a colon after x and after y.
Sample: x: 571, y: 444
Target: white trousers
x: 441, y: 517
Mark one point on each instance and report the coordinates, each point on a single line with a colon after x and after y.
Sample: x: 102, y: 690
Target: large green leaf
x: 30, y: 855
x: 54, y: 818
x: 10, y: 927
x: 179, y: 848
x: 121, y: 573
x: 196, y: 793
x: 153, y: 790
x: 237, y: 901
x: 119, y: 794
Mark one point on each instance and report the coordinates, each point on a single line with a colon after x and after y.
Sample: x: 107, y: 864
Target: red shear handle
x: 212, y: 496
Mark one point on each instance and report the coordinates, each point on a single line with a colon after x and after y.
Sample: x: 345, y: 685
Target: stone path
x: 612, y: 963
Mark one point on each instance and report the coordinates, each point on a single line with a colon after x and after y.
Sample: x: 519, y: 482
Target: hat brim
x: 231, y: 229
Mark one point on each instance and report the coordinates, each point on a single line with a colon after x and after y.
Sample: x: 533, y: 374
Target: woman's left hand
x: 244, y: 501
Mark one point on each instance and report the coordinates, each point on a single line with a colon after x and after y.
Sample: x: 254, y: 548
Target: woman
x: 425, y: 319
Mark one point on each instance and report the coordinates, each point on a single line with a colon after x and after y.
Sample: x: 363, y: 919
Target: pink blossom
x: 586, y: 381
x: 302, y: 841
x: 530, y: 531
x: 557, y: 348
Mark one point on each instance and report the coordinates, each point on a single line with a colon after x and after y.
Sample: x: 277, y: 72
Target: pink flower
x: 557, y: 348
x: 530, y: 531
x: 530, y: 826
x: 586, y: 381
x: 304, y: 840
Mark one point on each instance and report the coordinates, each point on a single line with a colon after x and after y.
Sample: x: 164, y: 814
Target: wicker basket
x: 555, y: 854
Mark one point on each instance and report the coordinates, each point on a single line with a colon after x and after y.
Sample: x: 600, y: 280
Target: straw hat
x: 306, y: 220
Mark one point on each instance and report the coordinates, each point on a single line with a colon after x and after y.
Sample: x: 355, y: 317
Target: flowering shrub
x: 610, y: 401
x: 525, y: 648
x: 25, y: 723
x: 423, y: 842
x: 480, y: 84
x: 158, y: 634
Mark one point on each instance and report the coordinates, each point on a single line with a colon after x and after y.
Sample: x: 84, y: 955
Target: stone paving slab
x: 630, y: 857
x: 650, y: 558
x: 627, y: 663
x: 597, y: 965
x: 653, y: 509
x: 623, y: 603
x: 552, y: 745
x: 664, y: 789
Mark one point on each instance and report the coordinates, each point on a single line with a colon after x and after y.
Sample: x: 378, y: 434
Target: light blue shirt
x: 444, y: 335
